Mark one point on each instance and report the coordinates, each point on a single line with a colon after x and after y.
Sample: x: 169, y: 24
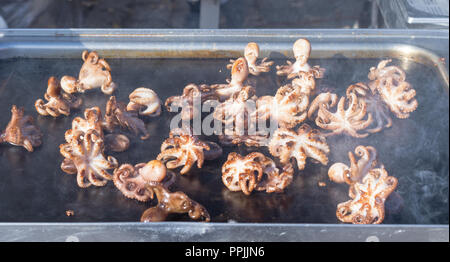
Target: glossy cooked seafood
x: 132, y: 180
x: 305, y: 142
x: 367, y: 198
x: 184, y: 149
x: 288, y: 107
x: 117, y: 115
x: 246, y: 173
x: 390, y: 82
x: 84, y: 156
x: 172, y: 202
x: 145, y: 101
x: 340, y: 172
x: 93, y: 121
x: 302, y: 51
x: 21, y: 130
x: 375, y: 106
x: 94, y: 73
x: 251, y: 54
x: 350, y: 120
x: 58, y: 102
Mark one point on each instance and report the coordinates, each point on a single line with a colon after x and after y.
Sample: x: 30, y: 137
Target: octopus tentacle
x: 168, y: 202
x: 306, y: 142
x: 245, y: 173
x: 94, y: 73
x: 21, y: 130
x: 302, y: 51
x: 183, y: 148
x: 84, y: 153
x: 132, y: 180
x: 349, y: 121
x: 368, y: 198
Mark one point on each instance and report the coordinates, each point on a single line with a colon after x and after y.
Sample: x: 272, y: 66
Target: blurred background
x: 429, y: 14
x: 189, y: 14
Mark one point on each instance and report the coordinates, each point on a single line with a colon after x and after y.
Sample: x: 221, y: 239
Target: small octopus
x: 183, y: 149
x: 145, y: 101
x: 94, y: 73
x: 59, y: 102
x: 243, y: 173
x: 390, y: 83
x: 251, y: 54
x: 93, y: 121
x: 168, y: 203
x: 340, y: 172
x: 238, y: 114
x: 375, y: 106
x: 236, y: 110
x: 84, y: 156
x: 288, y: 107
x: 21, y: 130
x: 378, y: 74
x: 399, y: 97
x: 345, y: 121
x: 302, y: 51
x: 194, y: 96
x: 276, y: 180
x: 246, y: 173
x: 327, y: 98
x: 305, y: 83
x: 190, y: 101
x: 117, y: 115
x: 131, y: 180
x: 306, y: 142
x: 239, y: 74
x: 367, y: 198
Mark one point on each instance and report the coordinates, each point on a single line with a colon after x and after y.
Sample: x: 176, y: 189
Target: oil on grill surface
x: 34, y: 189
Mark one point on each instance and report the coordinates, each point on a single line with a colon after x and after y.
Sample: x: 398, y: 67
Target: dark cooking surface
x: 34, y: 189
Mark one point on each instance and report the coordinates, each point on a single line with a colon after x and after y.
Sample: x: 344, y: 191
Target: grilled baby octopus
x: 302, y: 50
x: 375, y: 106
x: 117, y: 115
x: 145, y: 101
x: 348, y: 121
x: 59, y: 102
x: 94, y: 73
x: 194, y: 96
x: 340, y: 172
x: 243, y: 173
x: 176, y: 202
x: 306, y: 142
x: 190, y: 101
x: 276, y: 180
x: 305, y: 83
x: 378, y: 74
x: 247, y: 174
x: 251, y: 54
x: 368, y: 198
x: 131, y: 180
x: 93, y: 121
x: 288, y: 107
x: 238, y: 113
x: 21, y: 131
x: 239, y: 73
x: 84, y: 156
x: 390, y: 83
x: 236, y: 110
x: 184, y: 149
